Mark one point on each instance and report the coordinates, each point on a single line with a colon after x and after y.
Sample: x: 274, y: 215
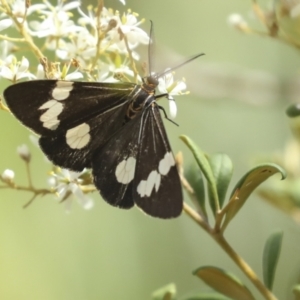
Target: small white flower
x: 6, y: 47
x: 14, y: 70
x: 167, y: 85
x: 20, y: 11
x: 122, y: 69
x: 123, y: 2
x: 5, y: 23
x: 107, y: 72
x: 74, y: 75
x: 24, y: 152
x: 172, y: 107
x: 40, y: 72
x: 237, y: 21
x: 65, y: 182
x: 63, y: 74
x: 8, y: 175
x: 103, y: 72
x: 56, y: 21
x: 128, y: 25
x: 82, y: 46
x: 88, y: 19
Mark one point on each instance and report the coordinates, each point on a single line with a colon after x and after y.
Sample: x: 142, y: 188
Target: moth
x: 115, y: 129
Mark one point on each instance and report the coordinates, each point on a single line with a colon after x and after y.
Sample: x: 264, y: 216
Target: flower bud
x: 8, y: 176
x: 237, y: 21
x: 24, y: 153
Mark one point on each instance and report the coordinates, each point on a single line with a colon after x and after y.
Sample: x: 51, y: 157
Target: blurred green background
x: 107, y: 253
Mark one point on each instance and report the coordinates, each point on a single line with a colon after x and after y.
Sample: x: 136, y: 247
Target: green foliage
x: 270, y: 257
x: 194, y: 176
x: 224, y: 282
x: 247, y: 184
x: 205, y: 168
x: 222, y: 169
x: 217, y: 170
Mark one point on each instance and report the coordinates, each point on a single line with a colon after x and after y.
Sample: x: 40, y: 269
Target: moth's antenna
x: 150, y: 48
x: 178, y: 66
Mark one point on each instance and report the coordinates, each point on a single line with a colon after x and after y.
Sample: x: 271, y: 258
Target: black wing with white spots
x: 157, y: 189
x: 73, y: 118
x: 113, y: 128
x: 114, y: 165
x: 137, y: 166
x: 47, y: 105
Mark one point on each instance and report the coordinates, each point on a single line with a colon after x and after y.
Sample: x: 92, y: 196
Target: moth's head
x: 151, y: 82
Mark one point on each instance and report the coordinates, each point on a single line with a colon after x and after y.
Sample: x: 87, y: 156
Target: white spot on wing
x: 62, y: 90
x: 166, y: 163
x: 78, y: 137
x: 54, y: 108
x: 48, y: 104
x: 49, y: 117
x: 125, y: 170
x: 146, y: 187
x: 141, y: 189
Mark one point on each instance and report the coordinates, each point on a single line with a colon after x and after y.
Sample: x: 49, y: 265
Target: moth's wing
x: 48, y: 105
x: 73, y: 148
x: 114, y: 165
x: 157, y: 189
x: 74, y: 118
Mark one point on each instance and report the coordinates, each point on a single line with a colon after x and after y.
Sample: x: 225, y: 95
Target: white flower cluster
x: 93, y: 46
x: 97, y: 45
x: 66, y: 184
x: 91, y: 42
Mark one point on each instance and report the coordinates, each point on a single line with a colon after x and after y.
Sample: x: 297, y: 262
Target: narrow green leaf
x: 195, y: 179
x: 222, y: 169
x: 247, y: 184
x: 296, y: 291
x: 224, y: 282
x: 206, y: 296
x: 270, y: 257
x: 204, y: 165
x: 167, y: 292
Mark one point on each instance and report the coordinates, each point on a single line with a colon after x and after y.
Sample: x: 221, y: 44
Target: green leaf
x: 293, y: 110
x: 247, y: 184
x: 167, y: 292
x: 224, y: 283
x: 206, y: 296
x: 204, y: 165
x: 195, y: 179
x: 296, y: 291
x: 270, y: 257
x: 222, y: 169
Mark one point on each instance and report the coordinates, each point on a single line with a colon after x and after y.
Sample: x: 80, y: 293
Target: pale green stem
x: 221, y: 241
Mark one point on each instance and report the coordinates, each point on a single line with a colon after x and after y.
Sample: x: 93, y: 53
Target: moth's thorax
x: 142, y: 95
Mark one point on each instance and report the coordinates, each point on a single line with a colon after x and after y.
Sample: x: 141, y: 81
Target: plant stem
x: 219, y: 238
x: 221, y: 241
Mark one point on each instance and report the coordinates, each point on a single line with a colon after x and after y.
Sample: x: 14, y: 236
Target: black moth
x: 113, y: 128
